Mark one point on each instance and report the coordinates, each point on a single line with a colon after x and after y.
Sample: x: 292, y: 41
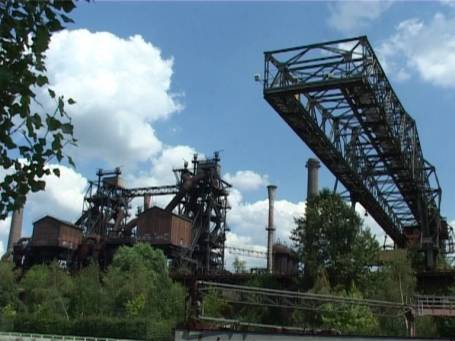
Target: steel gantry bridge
x: 338, y: 100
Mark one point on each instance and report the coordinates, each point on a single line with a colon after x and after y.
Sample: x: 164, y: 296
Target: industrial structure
x: 338, y: 100
x: 271, y: 227
x: 313, y: 166
x: 15, y: 230
x: 190, y: 229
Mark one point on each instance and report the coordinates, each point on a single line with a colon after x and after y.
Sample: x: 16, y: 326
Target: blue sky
x: 200, y: 58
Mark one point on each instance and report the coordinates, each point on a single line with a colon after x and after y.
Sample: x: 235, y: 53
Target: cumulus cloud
x: 160, y: 172
x: 62, y: 198
x: 4, y: 232
x: 250, y: 219
x: 121, y: 87
x: 244, y: 242
x: 349, y: 16
x: 4, y: 227
x: 425, y: 49
x: 246, y: 180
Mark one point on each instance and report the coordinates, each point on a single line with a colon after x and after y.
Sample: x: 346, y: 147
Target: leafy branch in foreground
x: 30, y: 137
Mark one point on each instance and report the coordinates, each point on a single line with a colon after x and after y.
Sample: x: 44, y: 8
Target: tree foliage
x: 239, y: 265
x: 330, y: 237
x: 30, y: 136
x: 135, y: 298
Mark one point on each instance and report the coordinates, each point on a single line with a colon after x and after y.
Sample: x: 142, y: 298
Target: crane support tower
x: 338, y: 100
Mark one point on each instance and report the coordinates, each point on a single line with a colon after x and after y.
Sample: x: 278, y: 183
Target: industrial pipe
x: 313, y: 166
x: 15, y: 229
x: 271, y: 227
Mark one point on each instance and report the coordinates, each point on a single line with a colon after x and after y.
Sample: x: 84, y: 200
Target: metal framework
x: 419, y: 305
x: 202, y: 197
x: 338, y: 100
x: 245, y: 252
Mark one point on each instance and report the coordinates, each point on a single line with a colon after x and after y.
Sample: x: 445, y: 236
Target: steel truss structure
x: 338, y: 100
x: 199, y: 195
x: 257, y: 296
x: 238, y: 295
x: 105, y: 211
x: 411, y: 308
x: 203, y: 198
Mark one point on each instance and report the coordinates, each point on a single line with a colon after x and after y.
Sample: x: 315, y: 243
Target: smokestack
x: 147, y: 201
x: 15, y: 230
x: 313, y: 166
x: 271, y: 227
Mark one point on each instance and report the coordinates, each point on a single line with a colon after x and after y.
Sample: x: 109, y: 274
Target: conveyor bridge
x: 338, y: 100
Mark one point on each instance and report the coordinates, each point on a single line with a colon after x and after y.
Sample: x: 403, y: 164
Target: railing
x: 31, y: 336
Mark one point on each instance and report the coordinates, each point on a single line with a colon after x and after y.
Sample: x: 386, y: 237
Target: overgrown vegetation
x: 340, y: 257
x: 134, y: 298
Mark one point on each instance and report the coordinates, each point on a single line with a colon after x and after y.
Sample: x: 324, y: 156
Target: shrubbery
x: 134, y: 299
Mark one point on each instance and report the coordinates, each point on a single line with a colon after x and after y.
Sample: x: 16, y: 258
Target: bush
x: 94, y: 326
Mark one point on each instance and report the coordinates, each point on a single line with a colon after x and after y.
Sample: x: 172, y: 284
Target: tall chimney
x: 147, y: 201
x: 15, y: 230
x: 271, y: 227
x: 313, y: 166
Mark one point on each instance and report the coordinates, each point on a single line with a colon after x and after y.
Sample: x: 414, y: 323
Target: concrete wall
x: 184, y: 335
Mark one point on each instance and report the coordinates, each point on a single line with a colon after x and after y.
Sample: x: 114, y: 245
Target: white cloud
x: 349, y: 16
x: 250, y: 219
x: 427, y: 49
x: 4, y: 227
x: 4, y: 232
x: 450, y: 3
x: 121, y: 87
x: 62, y: 198
x: 160, y: 172
x: 244, y: 242
x: 246, y: 180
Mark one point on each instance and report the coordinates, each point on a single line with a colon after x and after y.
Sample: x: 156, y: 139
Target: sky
x: 156, y: 82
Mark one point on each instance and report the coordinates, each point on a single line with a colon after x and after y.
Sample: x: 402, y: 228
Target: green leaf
x: 67, y: 128
x: 56, y: 171
x: 53, y: 123
x: 51, y: 93
x: 67, y: 5
x: 41, y: 41
x: 71, y: 101
x: 38, y: 186
x: 70, y: 161
x: 61, y: 105
x: 41, y: 80
x: 66, y: 19
x: 36, y: 119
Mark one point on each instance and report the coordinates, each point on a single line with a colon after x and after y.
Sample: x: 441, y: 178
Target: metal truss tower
x: 338, y: 100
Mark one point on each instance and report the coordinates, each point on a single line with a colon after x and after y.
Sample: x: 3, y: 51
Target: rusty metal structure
x: 410, y: 308
x: 190, y: 229
x: 336, y: 97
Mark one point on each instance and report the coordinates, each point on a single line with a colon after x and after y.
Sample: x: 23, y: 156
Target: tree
x: 9, y: 295
x: 239, y: 265
x: 30, y: 137
x: 88, y: 297
x: 330, y: 238
x: 394, y: 281
x: 349, y: 319
x: 47, y: 291
x: 138, y: 285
